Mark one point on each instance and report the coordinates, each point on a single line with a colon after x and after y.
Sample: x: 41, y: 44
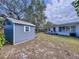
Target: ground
x: 43, y: 47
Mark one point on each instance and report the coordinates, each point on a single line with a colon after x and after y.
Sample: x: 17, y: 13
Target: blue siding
x: 8, y: 31
x: 20, y: 35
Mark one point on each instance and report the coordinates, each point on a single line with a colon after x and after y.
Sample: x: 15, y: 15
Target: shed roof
x: 20, y: 22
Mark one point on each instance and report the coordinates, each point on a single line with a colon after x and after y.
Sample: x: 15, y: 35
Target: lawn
x: 72, y: 43
x: 43, y: 47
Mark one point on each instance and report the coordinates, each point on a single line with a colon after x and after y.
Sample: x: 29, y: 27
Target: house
x: 17, y: 31
x: 68, y: 28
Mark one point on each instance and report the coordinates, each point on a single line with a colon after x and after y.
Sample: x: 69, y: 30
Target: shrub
x: 37, y: 29
x: 2, y: 40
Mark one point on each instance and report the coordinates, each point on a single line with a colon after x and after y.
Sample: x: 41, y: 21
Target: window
x: 73, y: 29
x: 26, y: 28
x: 61, y: 29
x: 68, y: 28
x: 54, y: 29
x: 49, y: 29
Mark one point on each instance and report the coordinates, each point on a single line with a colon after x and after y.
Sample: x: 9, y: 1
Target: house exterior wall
x: 57, y: 32
x: 21, y: 36
x: 50, y: 30
x: 67, y: 33
x: 62, y: 33
x: 77, y: 30
x: 57, y: 29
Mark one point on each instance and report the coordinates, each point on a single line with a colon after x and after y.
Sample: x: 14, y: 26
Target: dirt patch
x: 43, y: 50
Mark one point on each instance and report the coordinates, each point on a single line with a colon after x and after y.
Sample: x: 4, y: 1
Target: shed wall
x: 21, y: 36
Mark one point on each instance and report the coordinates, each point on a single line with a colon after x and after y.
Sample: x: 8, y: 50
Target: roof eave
x: 25, y: 24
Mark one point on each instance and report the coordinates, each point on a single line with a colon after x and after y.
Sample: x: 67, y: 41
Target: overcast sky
x: 59, y: 10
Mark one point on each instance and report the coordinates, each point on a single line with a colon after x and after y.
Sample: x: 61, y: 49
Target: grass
x: 70, y: 43
x: 44, y: 44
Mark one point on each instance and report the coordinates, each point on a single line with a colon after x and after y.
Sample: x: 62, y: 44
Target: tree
x: 76, y: 5
x: 15, y: 8
x: 36, y: 12
x: 29, y: 10
x: 47, y: 25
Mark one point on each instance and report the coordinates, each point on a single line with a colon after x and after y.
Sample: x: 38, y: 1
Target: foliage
x: 48, y: 24
x: 37, y: 30
x: 1, y: 22
x: 28, y: 10
x: 76, y: 5
x: 36, y: 13
x: 2, y: 40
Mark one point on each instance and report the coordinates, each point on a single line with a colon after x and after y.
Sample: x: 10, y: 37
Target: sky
x: 60, y: 11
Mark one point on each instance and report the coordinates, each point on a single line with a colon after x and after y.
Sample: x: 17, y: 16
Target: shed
x: 17, y: 31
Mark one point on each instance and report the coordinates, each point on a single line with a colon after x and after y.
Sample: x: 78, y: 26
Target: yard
x: 43, y: 47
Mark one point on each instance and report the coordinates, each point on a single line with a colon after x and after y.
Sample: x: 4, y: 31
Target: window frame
x: 25, y: 28
x: 73, y: 28
x: 67, y: 28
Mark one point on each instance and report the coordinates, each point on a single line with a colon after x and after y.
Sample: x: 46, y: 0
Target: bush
x: 37, y: 29
x: 2, y: 40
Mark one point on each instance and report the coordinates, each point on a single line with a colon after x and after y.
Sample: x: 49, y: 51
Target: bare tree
x: 15, y: 8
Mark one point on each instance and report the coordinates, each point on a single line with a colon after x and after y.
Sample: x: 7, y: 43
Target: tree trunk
x: 18, y: 18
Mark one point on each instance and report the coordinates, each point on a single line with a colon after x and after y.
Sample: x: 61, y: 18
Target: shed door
x: 8, y: 31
